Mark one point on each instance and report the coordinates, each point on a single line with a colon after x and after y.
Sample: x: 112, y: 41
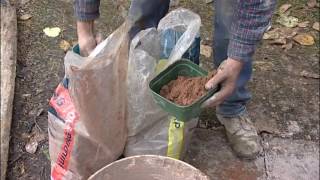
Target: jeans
x: 146, y: 14
x: 235, y: 104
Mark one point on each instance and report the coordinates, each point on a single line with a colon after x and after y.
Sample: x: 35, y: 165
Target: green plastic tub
x: 179, y: 68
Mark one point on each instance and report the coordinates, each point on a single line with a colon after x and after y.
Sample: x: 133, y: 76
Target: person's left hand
x: 227, y: 75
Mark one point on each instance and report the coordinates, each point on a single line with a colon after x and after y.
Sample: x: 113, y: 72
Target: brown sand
x: 185, y: 90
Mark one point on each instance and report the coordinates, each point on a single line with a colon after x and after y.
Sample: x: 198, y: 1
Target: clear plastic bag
x: 184, y: 21
x: 151, y: 130
x: 87, y: 115
x: 144, y: 54
x: 167, y: 137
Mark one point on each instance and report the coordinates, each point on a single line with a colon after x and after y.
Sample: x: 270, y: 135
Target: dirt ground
x: 285, y: 103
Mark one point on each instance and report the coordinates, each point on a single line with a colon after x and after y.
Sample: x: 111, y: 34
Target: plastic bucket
x: 148, y: 167
x: 179, y: 68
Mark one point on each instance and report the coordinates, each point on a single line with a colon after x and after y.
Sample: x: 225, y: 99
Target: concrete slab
x: 283, y: 159
x: 210, y: 152
x: 288, y: 159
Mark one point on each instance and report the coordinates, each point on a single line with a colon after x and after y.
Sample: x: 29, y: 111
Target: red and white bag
x: 87, y: 115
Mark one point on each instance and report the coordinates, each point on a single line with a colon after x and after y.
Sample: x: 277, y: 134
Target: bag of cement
x: 87, y: 115
x: 150, y: 129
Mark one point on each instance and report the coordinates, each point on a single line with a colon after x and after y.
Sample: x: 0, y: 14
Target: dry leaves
x: 304, y: 39
x: 283, y: 32
x: 312, y: 3
x: 280, y: 41
x: 31, y: 147
x: 285, y: 35
x: 52, y: 32
x: 263, y: 65
x: 307, y: 74
x: 284, y: 8
x: 288, y: 46
x: 288, y: 21
x: 316, y: 26
x: 206, y: 50
x: 65, y: 45
x: 304, y: 24
x: 273, y: 34
x: 35, y: 137
x: 25, y: 17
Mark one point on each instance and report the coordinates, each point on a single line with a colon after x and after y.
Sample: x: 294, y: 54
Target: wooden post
x: 8, y: 74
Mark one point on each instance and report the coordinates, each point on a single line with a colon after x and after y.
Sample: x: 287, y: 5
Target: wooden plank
x: 8, y: 74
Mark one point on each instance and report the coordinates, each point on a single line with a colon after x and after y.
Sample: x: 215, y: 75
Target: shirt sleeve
x: 86, y: 10
x: 251, y: 19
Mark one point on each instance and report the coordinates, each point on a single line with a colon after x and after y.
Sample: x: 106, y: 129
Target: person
x: 239, y: 26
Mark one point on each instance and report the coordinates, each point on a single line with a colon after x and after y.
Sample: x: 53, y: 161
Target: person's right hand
x: 86, y: 38
x: 87, y: 45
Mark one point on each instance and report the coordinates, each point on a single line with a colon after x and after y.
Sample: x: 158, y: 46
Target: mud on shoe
x: 242, y: 135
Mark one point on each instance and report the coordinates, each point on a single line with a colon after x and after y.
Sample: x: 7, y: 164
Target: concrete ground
x: 282, y: 159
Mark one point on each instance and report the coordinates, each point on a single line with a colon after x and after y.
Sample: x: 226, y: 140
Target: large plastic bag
x: 184, y: 22
x: 167, y: 137
x: 144, y: 55
x: 87, y: 115
x: 151, y: 130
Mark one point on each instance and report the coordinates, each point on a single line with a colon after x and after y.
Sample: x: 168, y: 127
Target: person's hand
x: 86, y: 38
x: 87, y: 45
x: 227, y: 75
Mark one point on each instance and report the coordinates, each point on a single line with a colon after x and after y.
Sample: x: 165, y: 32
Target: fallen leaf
x: 316, y: 26
x: 25, y: 136
x: 31, y: 146
x: 22, y: 169
x: 206, y: 50
x: 263, y: 65
x: 307, y: 74
x: 52, y: 32
x: 280, y: 41
x: 288, y: 32
x: 33, y: 112
x: 26, y: 95
x: 304, y: 39
x: 40, y: 111
x: 287, y: 46
x: 46, y: 153
x: 38, y: 91
x: 37, y: 135
x: 288, y: 21
x: 283, y: 32
x: 25, y: 17
x: 284, y: 8
x: 40, y: 137
x: 65, y: 45
x: 304, y: 24
x: 287, y: 13
x: 312, y: 3
x: 272, y: 34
